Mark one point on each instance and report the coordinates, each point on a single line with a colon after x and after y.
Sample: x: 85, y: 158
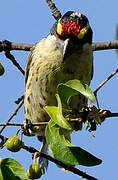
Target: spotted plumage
x: 65, y: 54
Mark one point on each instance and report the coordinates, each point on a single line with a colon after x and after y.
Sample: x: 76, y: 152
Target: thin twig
x: 112, y: 115
x: 60, y: 163
x: 12, y: 58
x: 79, y: 119
x: 21, y: 124
x: 55, y: 12
x: 12, y: 115
x: 19, y: 99
x: 105, y: 81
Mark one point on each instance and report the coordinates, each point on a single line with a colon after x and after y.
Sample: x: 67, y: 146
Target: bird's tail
x: 42, y: 161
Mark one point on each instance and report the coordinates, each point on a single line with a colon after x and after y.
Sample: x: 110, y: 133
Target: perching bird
x: 65, y: 54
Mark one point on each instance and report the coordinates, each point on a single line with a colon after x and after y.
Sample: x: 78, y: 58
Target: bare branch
x: 7, y: 45
x: 55, y: 12
x: 12, y: 115
x: 19, y: 99
x: 105, y: 45
x: 78, y: 119
x: 105, y: 81
x: 21, y: 124
x: 15, y: 63
x: 112, y: 115
x: 60, y: 163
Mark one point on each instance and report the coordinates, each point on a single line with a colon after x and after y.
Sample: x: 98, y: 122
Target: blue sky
x: 28, y: 22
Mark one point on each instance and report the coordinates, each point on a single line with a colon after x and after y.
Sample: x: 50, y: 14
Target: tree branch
x: 78, y: 119
x: 21, y: 124
x: 105, y: 81
x: 7, y: 45
x: 15, y: 63
x: 55, y: 12
x: 60, y: 163
x: 105, y: 45
x: 12, y: 115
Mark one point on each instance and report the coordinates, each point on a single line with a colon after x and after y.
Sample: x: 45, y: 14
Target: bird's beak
x: 65, y: 49
x: 65, y: 46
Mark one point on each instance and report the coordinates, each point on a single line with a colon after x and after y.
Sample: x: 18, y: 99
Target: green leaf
x: 1, y: 177
x: 61, y: 148
x: 8, y: 174
x: 74, y: 87
x: 1, y: 69
x: 117, y: 38
x: 14, y: 170
x: 60, y: 134
x: 56, y: 115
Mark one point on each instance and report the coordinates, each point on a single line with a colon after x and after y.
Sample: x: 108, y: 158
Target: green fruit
x: 34, y: 171
x: 14, y: 144
x: 1, y: 69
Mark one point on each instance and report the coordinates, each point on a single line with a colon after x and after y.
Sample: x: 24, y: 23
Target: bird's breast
x: 47, y: 70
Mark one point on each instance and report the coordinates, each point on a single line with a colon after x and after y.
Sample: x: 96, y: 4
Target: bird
x: 65, y: 54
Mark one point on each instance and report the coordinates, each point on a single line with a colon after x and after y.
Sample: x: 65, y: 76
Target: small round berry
x: 14, y: 144
x: 34, y: 171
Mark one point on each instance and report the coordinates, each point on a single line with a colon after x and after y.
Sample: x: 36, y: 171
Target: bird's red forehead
x: 70, y: 28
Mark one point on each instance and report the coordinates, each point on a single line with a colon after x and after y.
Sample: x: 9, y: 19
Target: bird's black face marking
x: 75, y: 17
x: 75, y: 26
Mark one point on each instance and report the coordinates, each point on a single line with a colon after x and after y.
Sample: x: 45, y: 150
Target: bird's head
x: 74, y: 25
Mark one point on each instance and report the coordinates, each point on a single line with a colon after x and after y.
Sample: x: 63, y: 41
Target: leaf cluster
x: 58, y: 130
